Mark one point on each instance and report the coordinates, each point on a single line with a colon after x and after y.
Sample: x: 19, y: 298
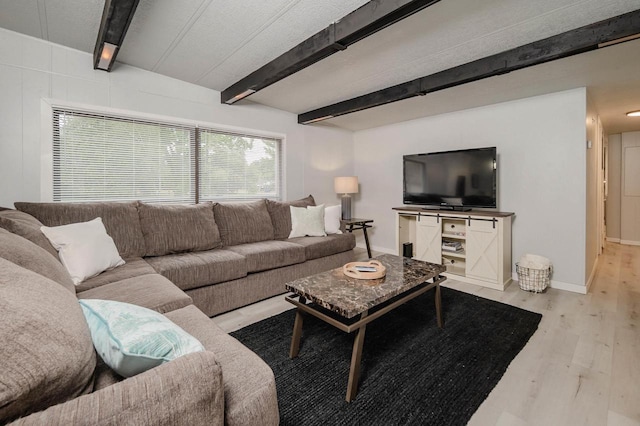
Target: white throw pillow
x: 332, y: 216
x: 84, y: 248
x: 132, y: 339
x: 307, y: 221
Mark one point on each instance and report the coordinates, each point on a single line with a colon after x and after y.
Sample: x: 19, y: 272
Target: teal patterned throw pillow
x: 132, y: 339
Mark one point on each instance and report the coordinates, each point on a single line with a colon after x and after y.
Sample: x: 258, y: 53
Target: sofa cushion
x: 26, y: 226
x: 241, y: 223
x: 133, y: 267
x: 250, y: 396
x: 149, y: 291
x: 223, y: 297
x: 84, y: 248
x: 187, y: 391
x: 24, y: 253
x: 192, y: 270
x: 281, y: 216
x: 178, y: 228
x: 317, y: 247
x: 104, y: 376
x: 269, y: 254
x: 46, y: 355
x: 120, y: 220
x: 132, y: 339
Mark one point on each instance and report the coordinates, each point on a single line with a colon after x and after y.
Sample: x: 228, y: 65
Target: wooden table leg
x: 356, y: 357
x: 297, y: 333
x: 438, y: 305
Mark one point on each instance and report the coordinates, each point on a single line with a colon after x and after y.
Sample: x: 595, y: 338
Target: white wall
x: 32, y: 70
x: 613, y: 183
x: 541, y: 172
x: 329, y: 153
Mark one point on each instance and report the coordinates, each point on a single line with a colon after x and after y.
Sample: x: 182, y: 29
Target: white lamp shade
x: 346, y: 185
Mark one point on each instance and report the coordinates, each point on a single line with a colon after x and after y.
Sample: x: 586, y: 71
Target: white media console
x: 478, y: 242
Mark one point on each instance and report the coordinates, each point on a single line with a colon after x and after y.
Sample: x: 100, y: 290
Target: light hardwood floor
x: 581, y: 367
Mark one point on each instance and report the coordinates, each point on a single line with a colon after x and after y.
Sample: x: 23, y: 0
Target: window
x: 238, y: 167
x: 100, y: 158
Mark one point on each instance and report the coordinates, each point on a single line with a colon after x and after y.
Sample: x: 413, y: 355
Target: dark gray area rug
x: 413, y: 373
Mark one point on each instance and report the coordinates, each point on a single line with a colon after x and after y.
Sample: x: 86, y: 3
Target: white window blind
x: 238, y: 167
x: 99, y: 158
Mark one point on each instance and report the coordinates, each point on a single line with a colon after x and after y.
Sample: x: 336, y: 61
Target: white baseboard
x: 559, y: 285
x: 575, y: 288
x: 613, y: 240
x: 377, y: 248
x: 630, y: 242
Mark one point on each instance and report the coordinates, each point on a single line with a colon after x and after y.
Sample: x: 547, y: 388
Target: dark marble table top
x: 350, y: 296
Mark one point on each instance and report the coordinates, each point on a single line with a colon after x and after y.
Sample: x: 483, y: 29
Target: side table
x: 359, y: 223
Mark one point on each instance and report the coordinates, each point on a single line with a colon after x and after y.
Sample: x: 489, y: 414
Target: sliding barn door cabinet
x: 475, y: 246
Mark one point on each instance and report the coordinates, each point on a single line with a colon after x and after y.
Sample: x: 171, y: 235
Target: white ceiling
x: 214, y: 43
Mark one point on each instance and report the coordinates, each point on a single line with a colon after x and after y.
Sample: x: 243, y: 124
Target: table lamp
x: 346, y: 185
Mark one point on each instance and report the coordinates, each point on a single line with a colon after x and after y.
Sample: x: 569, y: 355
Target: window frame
x: 47, y: 142
x: 279, y: 184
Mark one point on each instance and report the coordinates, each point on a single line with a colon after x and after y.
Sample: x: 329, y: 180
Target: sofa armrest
x: 188, y: 390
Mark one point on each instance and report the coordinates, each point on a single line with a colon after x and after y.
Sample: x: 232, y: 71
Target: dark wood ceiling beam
x: 116, y: 18
x: 362, y: 22
x: 590, y: 37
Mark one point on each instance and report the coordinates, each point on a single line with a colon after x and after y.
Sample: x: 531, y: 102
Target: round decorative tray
x: 350, y: 270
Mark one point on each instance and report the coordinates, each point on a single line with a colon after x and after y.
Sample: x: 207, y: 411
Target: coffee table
x: 349, y: 304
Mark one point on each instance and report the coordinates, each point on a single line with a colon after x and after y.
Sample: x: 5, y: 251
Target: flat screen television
x: 457, y: 180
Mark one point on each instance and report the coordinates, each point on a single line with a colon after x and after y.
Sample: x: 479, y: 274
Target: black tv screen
x: 451, y: 179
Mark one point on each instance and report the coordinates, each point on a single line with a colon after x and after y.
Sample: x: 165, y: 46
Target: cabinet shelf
x: 454, y: 236
x: 456, y: 270
x: 458, y: 254
x: 454, y: 262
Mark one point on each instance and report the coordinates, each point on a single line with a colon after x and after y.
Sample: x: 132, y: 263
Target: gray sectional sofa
x: 186, y: 262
